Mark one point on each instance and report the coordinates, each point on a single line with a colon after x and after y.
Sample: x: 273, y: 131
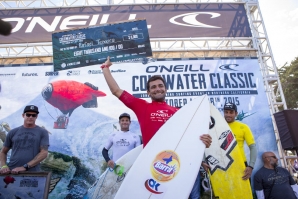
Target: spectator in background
x: 122, y: 142
x: 273, y: 182
x: 28, y: 143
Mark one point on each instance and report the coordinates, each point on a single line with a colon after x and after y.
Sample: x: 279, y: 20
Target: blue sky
x: 281, y: 22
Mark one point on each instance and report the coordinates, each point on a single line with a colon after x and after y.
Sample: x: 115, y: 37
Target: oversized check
x: 123, y: 41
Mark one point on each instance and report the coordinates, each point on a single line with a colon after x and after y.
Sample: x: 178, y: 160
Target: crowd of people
x: 29, y: 143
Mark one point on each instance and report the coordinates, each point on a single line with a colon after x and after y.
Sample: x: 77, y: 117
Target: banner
x: 164, y: 20
x: 79, y: 111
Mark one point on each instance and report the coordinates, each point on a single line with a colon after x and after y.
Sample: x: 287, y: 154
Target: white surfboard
x: 108, y: 183
x: 169, y: 164
x: 224, y: 158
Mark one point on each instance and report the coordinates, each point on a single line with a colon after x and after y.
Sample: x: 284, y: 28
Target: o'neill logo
x: 164, y: 168
x: 229, y: 67
x: 161, y: 113
x: 189, y: 19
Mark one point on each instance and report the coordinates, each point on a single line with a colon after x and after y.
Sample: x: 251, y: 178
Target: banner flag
x: 164, y: 20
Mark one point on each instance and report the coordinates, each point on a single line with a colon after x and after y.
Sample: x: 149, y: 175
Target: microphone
x: 5, y: 28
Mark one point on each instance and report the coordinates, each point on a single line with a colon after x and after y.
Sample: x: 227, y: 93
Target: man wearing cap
x: 28, y: 143
x: 122, y: 142
x: 242, y: 133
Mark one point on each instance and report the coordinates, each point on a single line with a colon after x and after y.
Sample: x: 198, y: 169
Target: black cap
x: 124, y: 115
x: 230, y: 106
x: 31, y: 108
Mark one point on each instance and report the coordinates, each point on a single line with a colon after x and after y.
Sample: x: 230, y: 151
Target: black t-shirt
x: 279, y: 181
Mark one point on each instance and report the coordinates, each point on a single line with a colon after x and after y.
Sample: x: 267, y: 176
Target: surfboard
x: 108, y: 183
x: 169, y: 164
x: 224, y: 158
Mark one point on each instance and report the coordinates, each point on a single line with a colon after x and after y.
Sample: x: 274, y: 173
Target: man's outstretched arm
x: 114, y: 88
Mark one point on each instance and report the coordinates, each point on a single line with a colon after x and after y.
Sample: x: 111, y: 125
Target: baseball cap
x: 230, y: 106
x: 124, y: 115
x: 31, y: 108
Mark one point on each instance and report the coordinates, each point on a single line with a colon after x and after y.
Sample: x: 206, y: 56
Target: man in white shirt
x: 122, y: 141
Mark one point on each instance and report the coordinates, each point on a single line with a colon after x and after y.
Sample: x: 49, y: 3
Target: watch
x: 26, y: 166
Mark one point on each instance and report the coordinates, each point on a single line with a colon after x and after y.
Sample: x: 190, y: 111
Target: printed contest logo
x: 164, y: 168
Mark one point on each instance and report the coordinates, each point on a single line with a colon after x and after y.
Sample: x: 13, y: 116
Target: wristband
x: 118, y: 170
x: 3, y: 167
x: 250, y: 167
x: 104, y: 66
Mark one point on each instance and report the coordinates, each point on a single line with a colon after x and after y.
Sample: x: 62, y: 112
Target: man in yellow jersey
x: 242, y: 133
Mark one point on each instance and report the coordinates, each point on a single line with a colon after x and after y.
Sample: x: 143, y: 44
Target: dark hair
x: 124, y: 115
x: 153, y: 78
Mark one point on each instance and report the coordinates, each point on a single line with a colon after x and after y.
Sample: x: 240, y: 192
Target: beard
x: 274, y: 164
x: 158, y: 98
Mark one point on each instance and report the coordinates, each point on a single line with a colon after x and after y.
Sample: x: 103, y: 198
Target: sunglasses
x: 28, y: 115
